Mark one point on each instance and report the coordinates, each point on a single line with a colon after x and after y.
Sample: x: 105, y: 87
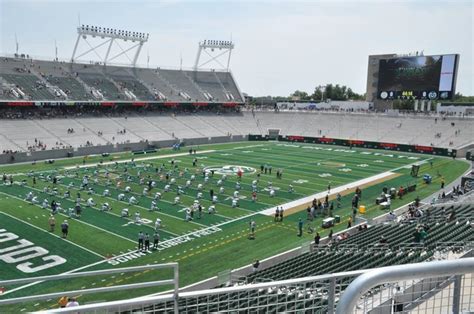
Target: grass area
x: 208, y: 244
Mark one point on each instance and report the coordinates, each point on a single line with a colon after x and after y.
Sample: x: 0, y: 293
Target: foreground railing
x: 445, y: 286
x: 69, y: 276
x: 441, y: 287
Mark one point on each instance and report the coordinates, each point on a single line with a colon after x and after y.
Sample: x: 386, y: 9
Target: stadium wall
x: 109, y: 149
x: 365, y: 144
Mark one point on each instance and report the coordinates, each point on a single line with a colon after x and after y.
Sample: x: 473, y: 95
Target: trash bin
x: 337, y: 219
x: 362, y: 209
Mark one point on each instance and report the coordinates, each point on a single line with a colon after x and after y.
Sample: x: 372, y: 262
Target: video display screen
x: 417, y: 77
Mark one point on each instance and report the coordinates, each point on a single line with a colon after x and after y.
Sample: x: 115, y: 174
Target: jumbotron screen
x: 418, y: 77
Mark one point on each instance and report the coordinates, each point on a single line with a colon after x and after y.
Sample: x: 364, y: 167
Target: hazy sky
x: 281, y: 46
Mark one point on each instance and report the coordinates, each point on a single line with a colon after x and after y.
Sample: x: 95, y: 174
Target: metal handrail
x: 375, y: 277
x: 174, y: 281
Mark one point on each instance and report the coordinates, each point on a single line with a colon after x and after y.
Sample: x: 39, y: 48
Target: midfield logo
x: 229, y: 169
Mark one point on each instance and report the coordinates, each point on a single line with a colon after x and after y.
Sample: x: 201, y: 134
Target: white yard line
x: 52, y: 234
x: 68, y: 272
x: 140, y: 159
x: 78, y: 220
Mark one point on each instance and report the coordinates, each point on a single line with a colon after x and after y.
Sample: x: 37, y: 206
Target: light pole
x: 321, y: 88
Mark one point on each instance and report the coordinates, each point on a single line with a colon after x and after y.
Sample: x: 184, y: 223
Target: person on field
x: 65, y: 229
x: 141, y: 237
x: 52, y: 223
x: 252, y: 227
x: 156, y: 239
x: 300, y: 227
x: 147, y: 242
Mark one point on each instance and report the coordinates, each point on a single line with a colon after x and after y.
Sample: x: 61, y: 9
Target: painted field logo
x: 230, y: 169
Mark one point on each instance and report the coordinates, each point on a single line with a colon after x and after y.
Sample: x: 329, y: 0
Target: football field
x: 172, y: 185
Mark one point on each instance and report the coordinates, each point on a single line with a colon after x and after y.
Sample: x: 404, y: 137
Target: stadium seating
x: 337, y: 259
x: 153, y: 127
x: 114, y: 82
x: 30, y: 85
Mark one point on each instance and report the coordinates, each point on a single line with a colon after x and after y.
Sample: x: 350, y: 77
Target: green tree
x: 301, y: 95
x: 458, y: 97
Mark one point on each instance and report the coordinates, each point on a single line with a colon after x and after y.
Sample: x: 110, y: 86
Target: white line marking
x: 52, y: 234
x: 271, y: 211
x: 140, y: 159
x: 78, y: 220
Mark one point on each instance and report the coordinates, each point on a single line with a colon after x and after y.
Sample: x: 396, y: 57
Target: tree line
x: 329, y: 91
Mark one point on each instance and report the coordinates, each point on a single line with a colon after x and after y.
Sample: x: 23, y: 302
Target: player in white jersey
x: 29, y: 196
x: 121, y: 197
x: 90, y: 202
x: 157, y: 224
x: 124, y: 212
x: 157, y: 196
x: 211, y: 209
x: 35, y: 200
x: 132, y: 200
x: 138, y: 219
x: 106, y: 193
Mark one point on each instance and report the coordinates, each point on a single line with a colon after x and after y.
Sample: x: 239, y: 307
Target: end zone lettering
x: 23, y: 250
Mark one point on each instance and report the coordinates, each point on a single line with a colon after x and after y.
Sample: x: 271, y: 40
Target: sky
x: 280, y: 46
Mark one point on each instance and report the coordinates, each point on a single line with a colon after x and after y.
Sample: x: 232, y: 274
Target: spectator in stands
x: 397, y: 300
x: 255, y: 265
x: 62, y: 302
x: 72, y: 303
x: 452, y: 214
x: 391, y: 217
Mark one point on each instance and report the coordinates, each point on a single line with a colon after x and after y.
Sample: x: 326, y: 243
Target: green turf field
x: 205, y: 245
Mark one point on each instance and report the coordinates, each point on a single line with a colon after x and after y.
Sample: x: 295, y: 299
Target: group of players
x: 121, y: 179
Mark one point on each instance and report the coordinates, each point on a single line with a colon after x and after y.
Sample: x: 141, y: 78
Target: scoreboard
x: 417, y: 77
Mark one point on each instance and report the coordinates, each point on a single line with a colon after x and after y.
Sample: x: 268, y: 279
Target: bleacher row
x: 154, y: 127
x: 55, y: 81
x: 353, y: 253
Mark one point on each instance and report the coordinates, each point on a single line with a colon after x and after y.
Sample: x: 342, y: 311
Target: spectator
x: 72, y: 303
x: 255, y: 265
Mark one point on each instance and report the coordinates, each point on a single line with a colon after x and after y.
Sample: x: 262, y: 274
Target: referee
x: 140, y: 240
